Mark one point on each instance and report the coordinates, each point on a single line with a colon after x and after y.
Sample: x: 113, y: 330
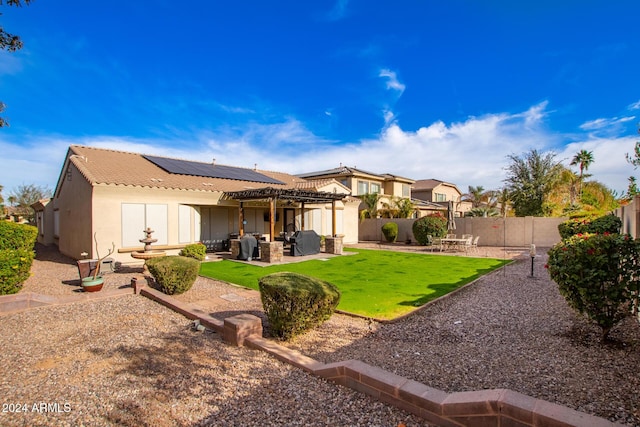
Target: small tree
x: 598, y: 274
x: 25, y: 195
x: 434, y: 225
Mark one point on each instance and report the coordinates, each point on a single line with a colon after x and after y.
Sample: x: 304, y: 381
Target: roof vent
x: 213, y: 162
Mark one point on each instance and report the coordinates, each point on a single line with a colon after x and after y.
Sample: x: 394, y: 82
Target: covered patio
x: 272, y: 250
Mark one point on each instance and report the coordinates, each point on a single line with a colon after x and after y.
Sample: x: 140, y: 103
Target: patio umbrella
x: 451, y: 223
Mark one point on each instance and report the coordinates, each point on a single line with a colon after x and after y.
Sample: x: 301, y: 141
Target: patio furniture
x: 474, y: 244
x: 248, y: 248
x: 305, y: 242
x: 452, y: 243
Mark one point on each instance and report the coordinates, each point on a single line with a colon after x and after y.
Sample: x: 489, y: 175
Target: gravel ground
x: 129, y: 361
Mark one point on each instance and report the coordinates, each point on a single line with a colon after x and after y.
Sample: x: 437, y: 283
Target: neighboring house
x: 14, y: 214
x: 116, y: 195
x: 441, y: 193
x: 362, y: 182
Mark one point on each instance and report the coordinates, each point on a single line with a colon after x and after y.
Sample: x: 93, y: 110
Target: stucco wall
x: 630, y: 216
x: 509, y: 232
x: 84, y: 210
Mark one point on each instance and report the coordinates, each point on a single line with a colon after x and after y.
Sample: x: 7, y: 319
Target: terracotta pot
x: 89, y: 284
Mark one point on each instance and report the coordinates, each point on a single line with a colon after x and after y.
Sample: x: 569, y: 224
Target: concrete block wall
x: 499, y: 232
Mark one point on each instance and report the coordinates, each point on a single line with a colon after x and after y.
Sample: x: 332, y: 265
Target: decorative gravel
x: 128, y: 361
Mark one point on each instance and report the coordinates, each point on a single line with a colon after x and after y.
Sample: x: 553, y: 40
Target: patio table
x: 454, y: 243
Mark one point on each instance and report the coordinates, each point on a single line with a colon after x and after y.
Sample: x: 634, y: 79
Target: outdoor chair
x: 474, y: 244
x: 468, y: 242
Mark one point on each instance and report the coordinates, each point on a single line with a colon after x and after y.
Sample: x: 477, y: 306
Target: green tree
x: 399, y: 207
x: 530, y: 179
x: 370, y: 201
x: 9, y: 42
x: 476, y: 195
x: 635, y: 159
x: 26, y: 195
x: 503, y: 199
x: 632, y: 189
x: 583, y: 159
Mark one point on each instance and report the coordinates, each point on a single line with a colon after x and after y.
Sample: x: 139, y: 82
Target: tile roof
x: 349, y: 171
x: 110, y: 167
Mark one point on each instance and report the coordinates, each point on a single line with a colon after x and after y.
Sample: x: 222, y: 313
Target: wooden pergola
x: 272, y: 195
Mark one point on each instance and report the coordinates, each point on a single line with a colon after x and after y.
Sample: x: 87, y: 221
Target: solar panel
x: 186, y: 167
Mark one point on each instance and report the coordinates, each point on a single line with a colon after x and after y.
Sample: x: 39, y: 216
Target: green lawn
x: 378, y: 284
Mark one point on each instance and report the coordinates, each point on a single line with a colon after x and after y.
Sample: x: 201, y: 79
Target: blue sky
x: 421, y: 89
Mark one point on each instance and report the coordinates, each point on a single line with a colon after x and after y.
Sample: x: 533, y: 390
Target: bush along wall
x: 597, y: 274
x: 430, y: 226
x: 16, y: 255
x: 295, y: 303
x: 174, y: 274
x: 390, y: 231
x: 603, y: 224
x: 195, y: 250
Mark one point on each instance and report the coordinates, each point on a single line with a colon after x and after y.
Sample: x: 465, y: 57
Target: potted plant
x: 94, y: 283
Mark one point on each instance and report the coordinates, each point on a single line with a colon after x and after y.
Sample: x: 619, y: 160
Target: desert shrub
x: 196, y: 251
x: 390, y: 231
x: 17, y: 236
x: 16, y: 255
x: 15, y: 267
x: 295, y: 303
x: 434, y: 225
x: 598, y: 275
x: 174, y: 274
x: 604, y: 224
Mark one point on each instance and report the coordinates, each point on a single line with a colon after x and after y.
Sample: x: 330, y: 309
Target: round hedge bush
x: 434, y: 225
x: 390, y: 231
x: 295, y: 303
x: 174, y: 274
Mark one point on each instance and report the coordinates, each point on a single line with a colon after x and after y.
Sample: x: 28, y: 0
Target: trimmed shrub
x: 15, y: 268
x: 390, y: 231
x: 597, y: 274
x: 17, y: 236
x: 16, y: 255
x: 604, y: 224
x: 295, y: 303
x: 430, y: 226
x: 196, y: 251
x: 174, y: 274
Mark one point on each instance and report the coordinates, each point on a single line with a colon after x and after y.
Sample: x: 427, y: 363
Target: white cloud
x: 634, y: 106
x: 471, y: 152
x: 603, y: 123
x: 392, y: 80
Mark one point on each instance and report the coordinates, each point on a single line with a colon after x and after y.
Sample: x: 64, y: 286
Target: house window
x: 184, y: 227
x: 344, y: 182
x: 406, y: 190
x: 136, y: 217
x: 374, y: 188
x: 363, y: 187
x: 440, y: 197
x: 56, y: 223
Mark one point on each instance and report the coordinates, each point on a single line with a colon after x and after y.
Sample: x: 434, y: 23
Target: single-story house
x: 114, y: 196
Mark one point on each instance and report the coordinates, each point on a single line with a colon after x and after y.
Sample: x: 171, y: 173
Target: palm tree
x: 371, y: 202
x: 583, y: 158
x: 475, y: 195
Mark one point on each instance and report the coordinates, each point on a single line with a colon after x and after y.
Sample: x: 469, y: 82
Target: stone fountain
x: 148, y: 253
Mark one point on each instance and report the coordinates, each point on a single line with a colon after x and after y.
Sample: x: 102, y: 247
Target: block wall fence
x: 500, y: 232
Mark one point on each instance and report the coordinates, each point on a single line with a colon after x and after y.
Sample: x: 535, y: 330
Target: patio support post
x: 333, y: 218
x: 302, y: 216
x: 272, y: 219
x: 241, y: 220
